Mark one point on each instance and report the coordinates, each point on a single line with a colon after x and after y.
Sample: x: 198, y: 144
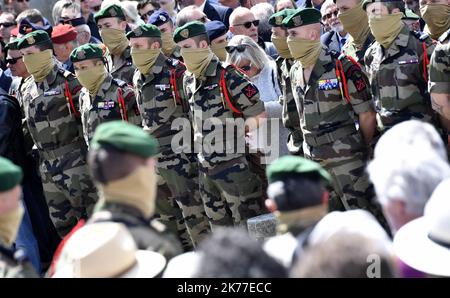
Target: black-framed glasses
x: 23, y: 1
x: 249, y: 24
x: 7, y: 24
x: 240, y: 48
x: 246, y: 67
x: 330, y: 14
x: 12, y: 60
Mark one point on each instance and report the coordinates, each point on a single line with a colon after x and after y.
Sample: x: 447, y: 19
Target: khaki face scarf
x: 115, y: 40
x: 137, y: 189
x: 9, y: 225
x: 437, y: 17
x: 168, y: 44
x: 197, y: 60
x: 144, y: 59
x: 282, y: 46
x: 356, y: 23
x: 305, y: 50
x: 39, y: 64
x: 385, y: 28
x: 92, y: 78
x: 304, y: 216
x: 219, y: 50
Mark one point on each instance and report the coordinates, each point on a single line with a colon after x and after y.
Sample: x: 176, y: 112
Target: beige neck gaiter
x: 305, y: 50
x: 356, y: 23
x: 437, y: 17
x: 282, y: 47
x: 197, y: 60
x: 144, y: 59
x: 115, y: 40
x: 385, y: 28
x: 168, y: 44
x: 9, y: 225
x: 40, y: 64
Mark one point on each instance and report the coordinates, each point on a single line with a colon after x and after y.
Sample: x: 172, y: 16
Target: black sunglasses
x: 249, y: 24
x: 12, y: 60
x: 246, y: 67
x: 240, y: 48
x: 328, y: 15
x: 23, y: 1
x: 7, y: 24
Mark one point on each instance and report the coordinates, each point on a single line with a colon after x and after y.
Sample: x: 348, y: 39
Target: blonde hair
x: 253, y: 52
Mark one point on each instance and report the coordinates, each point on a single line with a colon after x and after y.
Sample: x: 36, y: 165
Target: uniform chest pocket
x: 408, y: 83
x: 311, y: 110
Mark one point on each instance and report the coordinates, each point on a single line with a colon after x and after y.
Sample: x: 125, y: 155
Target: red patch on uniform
x: 77, y: 89
x: 360, y: 84
x: 250, y: 91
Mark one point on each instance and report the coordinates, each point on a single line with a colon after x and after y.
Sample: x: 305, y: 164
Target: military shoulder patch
x: 249, y: 91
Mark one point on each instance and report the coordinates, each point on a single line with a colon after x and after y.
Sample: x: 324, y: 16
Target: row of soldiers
x: 332, y: 104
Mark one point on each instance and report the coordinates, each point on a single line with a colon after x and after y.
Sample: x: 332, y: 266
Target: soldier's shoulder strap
x: 425, y: 41
x: 157, y: 226
x: 444, y: 37
x: 177, y: 70
x: 122, y: 106
x: 67, y: 94
x: 224, y: 68
x: 119, y: 83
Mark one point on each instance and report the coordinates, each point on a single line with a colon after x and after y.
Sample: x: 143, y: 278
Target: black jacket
x: 218, y: 13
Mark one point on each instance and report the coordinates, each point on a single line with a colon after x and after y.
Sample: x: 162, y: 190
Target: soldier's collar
x: 403, y: 37
x: 51, y: 77
x: 105, y: 85
x: 159, y: 64
x: 211, y: 70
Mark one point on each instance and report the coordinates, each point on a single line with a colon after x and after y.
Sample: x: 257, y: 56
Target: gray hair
x: 253, y: 52
x: 326, y: 5
x: 184, y: 15
x: 410, y: 161
x: 262, y: 12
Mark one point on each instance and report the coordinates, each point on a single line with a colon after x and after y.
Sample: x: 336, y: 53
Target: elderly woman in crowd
x: 262, y: 71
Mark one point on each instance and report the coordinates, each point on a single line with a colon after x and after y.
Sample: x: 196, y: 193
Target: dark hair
x: 104, y: 166
x: 393, y: 5
x: 48, y: 45
x: 142, y: 4
x: 343, y: 255
x: 201, y: 37
x: 231, y: 253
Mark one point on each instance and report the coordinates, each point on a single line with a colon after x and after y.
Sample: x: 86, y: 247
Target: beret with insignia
x: 12, y: 45
x: 110, y: 11
x: 295, y: 166
x: 215, y: 29
x: 302, y: 17
x: 10, y: 175
x: 26, y: 26
x: 146, y: 30
x: 125, y: 137
x: 276, y: 20
x: 86, y: 52
x: 33, y: 38
x: 189, y: 30
x: 158, y: 18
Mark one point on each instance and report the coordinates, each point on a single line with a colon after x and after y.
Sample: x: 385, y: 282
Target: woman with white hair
x: 262, y: 71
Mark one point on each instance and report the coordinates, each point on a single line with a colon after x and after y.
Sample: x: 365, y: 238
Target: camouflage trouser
x: 345, y: 160
x: 231, y: 193
x: 68, y: 189
x: 169, y: 213
x: 181, y: 174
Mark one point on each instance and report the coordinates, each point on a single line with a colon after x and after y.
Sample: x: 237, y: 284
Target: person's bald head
x: 242, y: 23
x: 189, y: 14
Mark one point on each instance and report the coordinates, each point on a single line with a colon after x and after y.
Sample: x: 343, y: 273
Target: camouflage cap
x: 146, y: 30
x: 33, y: 38
x: 10, y: 174
x: 367, y: 2
x: 302, y: 17
x: 125, y: 137
x: 110, y: 11
x: 189, y: 30
x: 86, y: 52
x: 276, y: 20
x: 291, y: 166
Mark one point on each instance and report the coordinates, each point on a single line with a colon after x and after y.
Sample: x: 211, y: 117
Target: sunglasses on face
x: 7, y: 25
x: 329, y: 15
x: 20, y: 1
x: 12, y: 61
x: 249, y: 24
x: 246, y: 67
x: 240, y: 48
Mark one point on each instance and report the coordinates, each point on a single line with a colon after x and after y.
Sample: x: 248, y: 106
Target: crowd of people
x: 225, y: 138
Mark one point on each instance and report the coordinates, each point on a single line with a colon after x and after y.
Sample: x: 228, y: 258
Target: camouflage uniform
x: 159, y: 109
x: 289, y: 115
x: 397, y: 78
x: 105, y: 106
x: 230, y: 191
x: 13, y: 264
x: 176, y: 53
x: 57, y: 134
x: 148, y: 234
x: 355, y: 51
x: 329, y: 131
x: 123, y: 69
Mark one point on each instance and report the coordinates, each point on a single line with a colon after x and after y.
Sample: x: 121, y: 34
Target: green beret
x: 125, y: 137
x: 302, y: 17
x: 189, y: 30
x: 33, y: 38
x: 12, y: 45
x: 146, y: 30
x: 294, y: 166
x: 410, y: 15
x: 276, y: 20
x: 110, y: 11
x: 86, y: 52
x: 10, y: 175
x: 367, y: 2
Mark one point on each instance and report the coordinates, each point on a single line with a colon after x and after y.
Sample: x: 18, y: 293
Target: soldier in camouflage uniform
x: 284, y: 63
x: 102, y: 98
x: 13, y: 263
x: 395, y: 66
x: 220, y: 93
x: 165, y: 24
x: 111, y: 23
x: 436, y: 14
x: 439, y: 83
x: 128, y: 187
x: 51, y: 112
x: 158, y: 82
x: 332, y: 93
x: 355, y: 22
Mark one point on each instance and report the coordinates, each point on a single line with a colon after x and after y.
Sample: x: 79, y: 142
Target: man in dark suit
x: 213, y: 12
x: 336, y: 37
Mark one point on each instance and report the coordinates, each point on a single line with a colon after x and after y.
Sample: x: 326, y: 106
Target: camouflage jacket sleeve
x: 439, y: 81
x: 244, y: 95
x: 358, y: 87
x: 133, y: 113
x: 28, y: 140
